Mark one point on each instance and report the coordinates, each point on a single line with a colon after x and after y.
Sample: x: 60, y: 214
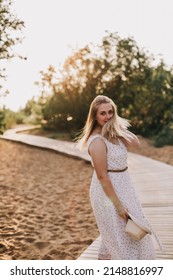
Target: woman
x: 112, y: 192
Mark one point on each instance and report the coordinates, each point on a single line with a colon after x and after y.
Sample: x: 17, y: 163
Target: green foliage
x: 164, y: 137
x: 9, y: 24
x: 116, y: 68
x: 2, y: 121
x: 20, y: 117
x: 8, y: 119
x: 32, y: 111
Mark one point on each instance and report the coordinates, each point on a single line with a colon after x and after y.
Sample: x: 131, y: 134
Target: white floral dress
x: 115, y: 242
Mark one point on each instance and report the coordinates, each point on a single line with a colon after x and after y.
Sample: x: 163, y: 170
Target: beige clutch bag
x: 135, y: 229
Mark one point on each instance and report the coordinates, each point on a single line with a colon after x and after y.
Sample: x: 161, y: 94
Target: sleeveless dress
x: 116, y: 244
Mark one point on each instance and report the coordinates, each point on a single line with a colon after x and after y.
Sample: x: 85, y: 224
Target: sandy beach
x: 45, y: 208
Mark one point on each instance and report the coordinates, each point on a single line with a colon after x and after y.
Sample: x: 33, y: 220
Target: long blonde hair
x: 115, y: 127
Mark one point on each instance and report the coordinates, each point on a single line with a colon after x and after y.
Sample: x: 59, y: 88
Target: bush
x: 2, y: 121
x: 164, y: 137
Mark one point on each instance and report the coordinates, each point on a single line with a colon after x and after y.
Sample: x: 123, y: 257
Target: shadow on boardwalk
x: 153, y: 181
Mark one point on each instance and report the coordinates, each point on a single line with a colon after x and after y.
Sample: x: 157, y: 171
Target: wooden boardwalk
x: 153, y: 181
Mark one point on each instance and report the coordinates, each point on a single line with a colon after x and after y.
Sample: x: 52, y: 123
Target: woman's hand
x: 123, y: 213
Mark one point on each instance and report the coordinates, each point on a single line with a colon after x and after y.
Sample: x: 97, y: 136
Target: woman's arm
x: 98, y: 154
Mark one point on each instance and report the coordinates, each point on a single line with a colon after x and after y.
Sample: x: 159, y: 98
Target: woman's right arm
x: 97, y: 150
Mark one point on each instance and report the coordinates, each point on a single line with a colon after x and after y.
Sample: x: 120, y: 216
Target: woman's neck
x: 97, y: 130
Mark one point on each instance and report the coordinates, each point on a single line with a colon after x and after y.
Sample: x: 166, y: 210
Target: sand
x: 45, y: 212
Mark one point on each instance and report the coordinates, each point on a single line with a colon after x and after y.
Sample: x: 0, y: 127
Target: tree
x: 8, y: 25
x: 119, y: 69
x: 79, y: 82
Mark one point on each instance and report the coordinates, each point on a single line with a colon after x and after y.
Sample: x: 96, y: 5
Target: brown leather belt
x: 120, y: 170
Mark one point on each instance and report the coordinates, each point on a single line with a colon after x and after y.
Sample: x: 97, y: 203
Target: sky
x: 54, y: 28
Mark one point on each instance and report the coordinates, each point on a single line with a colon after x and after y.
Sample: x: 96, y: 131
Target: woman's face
x: 104, y: 114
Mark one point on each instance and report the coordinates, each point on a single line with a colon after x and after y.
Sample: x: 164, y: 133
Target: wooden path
x: 153, y: 181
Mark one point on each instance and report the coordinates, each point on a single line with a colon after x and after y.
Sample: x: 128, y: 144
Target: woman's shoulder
x: 95, y: 142
x: 94, y: 136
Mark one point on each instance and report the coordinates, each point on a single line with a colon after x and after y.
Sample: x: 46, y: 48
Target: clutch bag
x: 135, y: 229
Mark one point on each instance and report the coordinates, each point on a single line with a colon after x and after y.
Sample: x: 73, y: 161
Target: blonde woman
x: 112, y: 192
